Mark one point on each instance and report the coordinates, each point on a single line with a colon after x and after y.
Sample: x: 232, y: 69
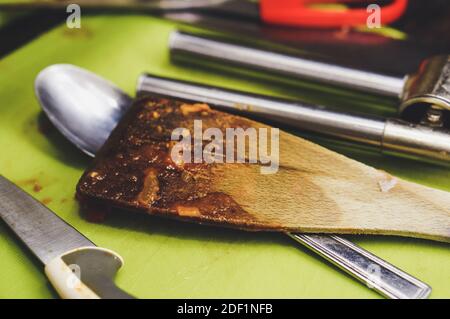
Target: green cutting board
x: 168, y: 259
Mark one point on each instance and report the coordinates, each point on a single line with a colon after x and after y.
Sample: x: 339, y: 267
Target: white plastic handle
x: 86, y: 273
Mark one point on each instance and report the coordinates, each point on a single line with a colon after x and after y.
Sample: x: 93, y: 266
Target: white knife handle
x: 86, y: 273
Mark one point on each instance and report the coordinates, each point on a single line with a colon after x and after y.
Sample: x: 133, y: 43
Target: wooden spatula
x: 313, y: 189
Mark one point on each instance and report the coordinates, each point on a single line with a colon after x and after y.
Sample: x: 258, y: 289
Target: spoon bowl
x: 84, y: 107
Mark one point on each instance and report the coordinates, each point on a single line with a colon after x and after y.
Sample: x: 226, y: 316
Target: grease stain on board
x: 81, y: 33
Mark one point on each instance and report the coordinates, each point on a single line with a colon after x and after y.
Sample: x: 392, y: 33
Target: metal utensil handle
x: 203, y: 50
x: 376, y: 273
x: 293, y: 113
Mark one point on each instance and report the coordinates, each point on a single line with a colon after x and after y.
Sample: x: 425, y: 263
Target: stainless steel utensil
x: 76, y: 100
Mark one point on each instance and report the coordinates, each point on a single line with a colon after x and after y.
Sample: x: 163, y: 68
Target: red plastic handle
x: 299, y: 13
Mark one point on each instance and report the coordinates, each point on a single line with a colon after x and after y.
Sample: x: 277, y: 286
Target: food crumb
x: 156, y: 115
x: 188, y: 211
x: 46, y: 201
x: 150, y: 189
x: 387, y: 182
x: 96, y: 175
x: 37, y: 188
x: 93, y: 174
x: 186, y: 109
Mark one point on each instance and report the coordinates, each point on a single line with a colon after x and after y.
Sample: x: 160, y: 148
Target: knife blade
x: 38, y: 227
x: 75, y: 266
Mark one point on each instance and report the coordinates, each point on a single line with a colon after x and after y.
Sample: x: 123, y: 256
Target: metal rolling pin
x: 389, y: 135
x: 204, y: 50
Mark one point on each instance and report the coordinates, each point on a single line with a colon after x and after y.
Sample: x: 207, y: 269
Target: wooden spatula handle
x: 376, y: 273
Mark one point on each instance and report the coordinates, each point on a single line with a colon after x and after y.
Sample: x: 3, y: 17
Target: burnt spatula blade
x: 47, y: 235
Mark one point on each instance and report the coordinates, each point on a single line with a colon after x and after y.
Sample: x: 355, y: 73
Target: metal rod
x: 205, y: 50
x: 390, y: 136
x: 376, y: 273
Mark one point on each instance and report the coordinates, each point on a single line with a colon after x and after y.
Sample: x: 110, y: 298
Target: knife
x: 74, y: 265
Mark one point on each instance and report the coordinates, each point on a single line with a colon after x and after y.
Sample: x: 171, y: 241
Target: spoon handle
x: 376, y: 273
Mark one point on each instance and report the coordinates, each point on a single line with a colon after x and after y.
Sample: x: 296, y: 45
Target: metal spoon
x: 86, y: 108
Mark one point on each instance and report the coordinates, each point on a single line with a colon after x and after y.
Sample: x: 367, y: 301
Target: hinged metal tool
x: 426, y: 94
